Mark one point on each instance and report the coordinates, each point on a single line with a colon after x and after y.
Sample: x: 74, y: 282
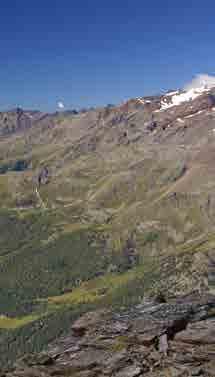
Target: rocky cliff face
x: 152, y: 339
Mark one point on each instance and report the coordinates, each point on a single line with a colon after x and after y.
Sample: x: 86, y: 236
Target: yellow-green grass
x: 204, y: 243
x: 90, y: 292
x: 96, y: 289
x: 8, y: 323
x: 4, y: 192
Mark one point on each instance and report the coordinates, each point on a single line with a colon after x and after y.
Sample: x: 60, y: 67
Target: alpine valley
x: 109, y: 211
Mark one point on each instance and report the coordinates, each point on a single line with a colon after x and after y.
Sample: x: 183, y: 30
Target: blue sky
x: 87, y: 53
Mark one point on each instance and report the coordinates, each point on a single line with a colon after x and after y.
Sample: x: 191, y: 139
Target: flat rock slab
x: 86, y: 359
x: 130, y: 371
x: 202, y: 332
x: 87, y: 321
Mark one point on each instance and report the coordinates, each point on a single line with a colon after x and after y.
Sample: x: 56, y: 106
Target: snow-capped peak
x: 199, y: 85
x: 169, y: 94
x: 180, y: 97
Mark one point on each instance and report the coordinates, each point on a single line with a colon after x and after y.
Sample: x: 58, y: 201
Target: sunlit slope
x: 101, y: 208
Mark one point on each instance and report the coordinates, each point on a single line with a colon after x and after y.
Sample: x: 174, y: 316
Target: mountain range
x: 102, y: 208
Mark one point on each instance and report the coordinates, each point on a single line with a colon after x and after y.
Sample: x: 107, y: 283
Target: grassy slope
x: 58, y: 262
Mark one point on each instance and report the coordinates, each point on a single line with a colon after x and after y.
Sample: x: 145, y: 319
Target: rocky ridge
x: 174, y: 338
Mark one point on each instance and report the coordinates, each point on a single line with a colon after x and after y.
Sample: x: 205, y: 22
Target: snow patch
x: 172, y: 93
x: 200, y: 84
x: 179, y: 98
x: 180, y: 120
x: 141, y: 101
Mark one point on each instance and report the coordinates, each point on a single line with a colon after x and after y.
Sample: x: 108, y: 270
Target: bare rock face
x: 150, y: 339
x: 198, y: 333
x: 91, y: 319
x: 43, y: 176
x: 170, y: 115
x: 16, y: 120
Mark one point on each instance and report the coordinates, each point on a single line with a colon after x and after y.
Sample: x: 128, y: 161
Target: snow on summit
x: 184, y: 96
x: 200, y: 84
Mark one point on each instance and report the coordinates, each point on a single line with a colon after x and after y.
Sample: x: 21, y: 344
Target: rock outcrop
x: 152, y: 339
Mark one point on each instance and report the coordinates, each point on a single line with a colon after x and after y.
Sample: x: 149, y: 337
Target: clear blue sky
x: 87, y: 53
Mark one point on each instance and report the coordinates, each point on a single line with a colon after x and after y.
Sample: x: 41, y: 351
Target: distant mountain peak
x: 180, y: 96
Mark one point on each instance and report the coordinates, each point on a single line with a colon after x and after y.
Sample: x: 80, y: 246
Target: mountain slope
x: 102, y: 208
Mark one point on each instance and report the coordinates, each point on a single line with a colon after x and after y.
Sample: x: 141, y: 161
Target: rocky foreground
x: 155, y: 338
